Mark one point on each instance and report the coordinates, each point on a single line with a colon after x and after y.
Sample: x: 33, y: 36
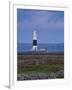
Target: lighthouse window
x: 34, y: 42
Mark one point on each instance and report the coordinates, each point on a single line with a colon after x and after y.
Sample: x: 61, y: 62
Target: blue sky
x: 48, y: 24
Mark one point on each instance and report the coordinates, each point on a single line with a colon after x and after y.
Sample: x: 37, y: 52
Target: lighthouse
x: 34, y: 41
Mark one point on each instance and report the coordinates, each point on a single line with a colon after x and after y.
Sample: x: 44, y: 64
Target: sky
x: 49, y: 25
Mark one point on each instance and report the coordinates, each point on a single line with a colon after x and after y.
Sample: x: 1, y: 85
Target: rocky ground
x: 36, y: 76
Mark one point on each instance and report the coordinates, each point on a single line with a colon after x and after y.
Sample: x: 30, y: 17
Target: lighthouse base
x: 34, y: 48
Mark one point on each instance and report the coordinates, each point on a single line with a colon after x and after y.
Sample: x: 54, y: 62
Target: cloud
x: 40, y: 20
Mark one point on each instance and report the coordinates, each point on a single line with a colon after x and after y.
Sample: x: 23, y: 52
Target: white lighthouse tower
x: 34, y: 41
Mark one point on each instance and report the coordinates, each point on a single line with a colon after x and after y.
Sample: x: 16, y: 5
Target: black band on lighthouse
x: 34, y: 42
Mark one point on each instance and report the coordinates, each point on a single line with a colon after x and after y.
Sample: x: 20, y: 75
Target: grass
x: 40, y: 68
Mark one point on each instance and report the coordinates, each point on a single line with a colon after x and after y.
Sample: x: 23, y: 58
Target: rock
x: 43, y: 76
x: 60, y: 74
x: 52, y: 75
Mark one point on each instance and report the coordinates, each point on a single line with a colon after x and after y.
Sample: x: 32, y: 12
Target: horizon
x: 41, y: 43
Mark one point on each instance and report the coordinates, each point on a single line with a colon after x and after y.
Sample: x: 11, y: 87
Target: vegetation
x: 46, y: 68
